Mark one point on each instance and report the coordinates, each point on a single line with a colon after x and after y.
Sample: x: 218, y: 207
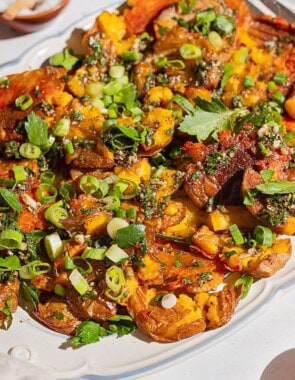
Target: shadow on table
x: 282, y: 367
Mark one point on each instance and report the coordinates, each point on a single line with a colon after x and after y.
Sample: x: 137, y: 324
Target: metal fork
x: 274, y: 7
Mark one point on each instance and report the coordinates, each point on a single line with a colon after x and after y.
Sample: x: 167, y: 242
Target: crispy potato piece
x: 261, y: 262
x: 183, y: 320
x: 56, y: 315
x: 48, y: 80
x: 8, y: 300
x: 98, y: 308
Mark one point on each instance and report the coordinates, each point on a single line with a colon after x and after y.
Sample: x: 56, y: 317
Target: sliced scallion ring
x: 46, y: 193
x: 128, y: 188
x: 263, y: 236
x: 190, y: 51
x: 47, y: 177
x: 67, y: 191
x: 115, y: 279
x: 111, y: 203
x: 236, y: 234
x: 94, y: 253
x: 10, y: 239
x: 55, y: 214
x: 30, y: 151
x: 34, y: 269
x: 24, y: 102
x: 89, y: 184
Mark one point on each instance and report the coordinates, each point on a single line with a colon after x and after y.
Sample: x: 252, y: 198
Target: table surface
x: 262, y: 349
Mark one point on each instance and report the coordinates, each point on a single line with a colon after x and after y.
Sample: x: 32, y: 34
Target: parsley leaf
x: 277, y: 187
x: 206, y: 118
x: 37, y: 129
x: 131, y: 133
x: 121, y: 325
x: 88, y: 332
x: 10, y: 199
x: 11, y: 263
x: 126, y: 237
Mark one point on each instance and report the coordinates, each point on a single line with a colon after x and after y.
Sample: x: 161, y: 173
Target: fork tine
x: 280, y: 10
x: 254, y: 10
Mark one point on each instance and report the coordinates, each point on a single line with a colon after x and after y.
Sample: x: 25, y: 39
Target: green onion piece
x: 113, y: 87
x: 248, y: 81
x: 120, y: 213
x: 131, y: 213
x: 267, y: 175
x: 224, y: 24
x: 94, y: 89
x: 176, y: 64
x: 10, y: 239
x: 265, y: 151
x: 46, y: 193
x: 34, y: 269
x: 280, y: 78
x: 53, y: 245
x: 241, y: 56
x: 161, y: 61
x: 98, y: 103
x: 124, y: 184
x: 89, y: 184
x: 111, y: 203
x: 187, y: 6
x: 236, y: 234
x: 117, y: 71
x: 107, y: 100
x: 252, y: 243
x: 30, y: 151
x: 69, y: 262
x: 79, y: 282
x: 263, y: 236
x: 271, y: 86
x: 94, y: 253
x: 7, y: 182
x: 19, y: 173
x: 11, y: 199
x: 47, y: 177
x: 24, y: 102
x: 215, y: 39
x: 246, y: 282
x: 60, y: 290
x: 45, y: 148
x: 55, y: 214
x: 131, y: 56
x: 116, y: 254
x: 67, y: 191
x: 62, y: 127
x: 278, y: 97
x: 190, y: 51
x: 112, y: 114
x: 69, y: 147
x: 115, y: 279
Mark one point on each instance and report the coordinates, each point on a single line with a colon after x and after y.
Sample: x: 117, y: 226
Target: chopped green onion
x: 111, y: 203
x: 55, y: 214
x: 271, y: 86
x: 265, y: 151
x: 215, y: 39
x: 33, y: 269
x: 263, y: 236
x: 190, y: 51
x: 187, y: 6
x: 241, y: 56
x: 117, y: 71
x: 224, y: 24
x: 131, y: 213
x: 46, y: 193
x: 131, y: 56
x: 94, y: 253
x: 24, y: 102
x: 47, y: 177
x: 10, y: 239
x: 7, y: 182
x: 161, y: 61
x: 19, y: 173
x: 69, y: 147
x: 10, y: 199
x: 248, y: 81
x: 120, y: 213
x: 122, y: 185
x: 112, y: 114
x: 46, y: 147
x: 53, y: 245
x: 60, y: 290
x: 176, y: 64
x: 280, y: 78
x: 236, y: 234
x: 113, y: 87
x: 246, y: 282
x: 30, y: 151
x: 67, y: 191
x: 69, y: 262
x: 115, y: 279
x: 95, y: 89
x: 267, y: 175
x: 89, y: 184
x: 62, y: 127
x: 116, y: 254
x: 79, y: 282
x: 98, y: 103
x: 278, y: 97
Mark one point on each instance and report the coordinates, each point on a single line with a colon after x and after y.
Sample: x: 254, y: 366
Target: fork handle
x: 12, y: 11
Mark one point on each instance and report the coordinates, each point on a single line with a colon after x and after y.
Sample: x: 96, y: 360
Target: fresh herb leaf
x: 249, y: 198
x: 121, y: 325
x: 88, y: 332
x: 37, y: 129
x: 11, y: 263
x: 176, y: 239
x: 30, y: 293
x: 184, y: 103
x: 10, y: 199
x: 131, y: 133
x: 246, y: 281
x: 128, y: 236
x: 267, y: 175
x: 277, y: 187
x: 228, y: 69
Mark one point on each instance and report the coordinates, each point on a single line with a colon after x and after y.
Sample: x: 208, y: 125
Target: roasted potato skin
x: 46, y: 314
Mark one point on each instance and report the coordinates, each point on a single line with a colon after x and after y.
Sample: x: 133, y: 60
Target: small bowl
x: 35, y: 22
